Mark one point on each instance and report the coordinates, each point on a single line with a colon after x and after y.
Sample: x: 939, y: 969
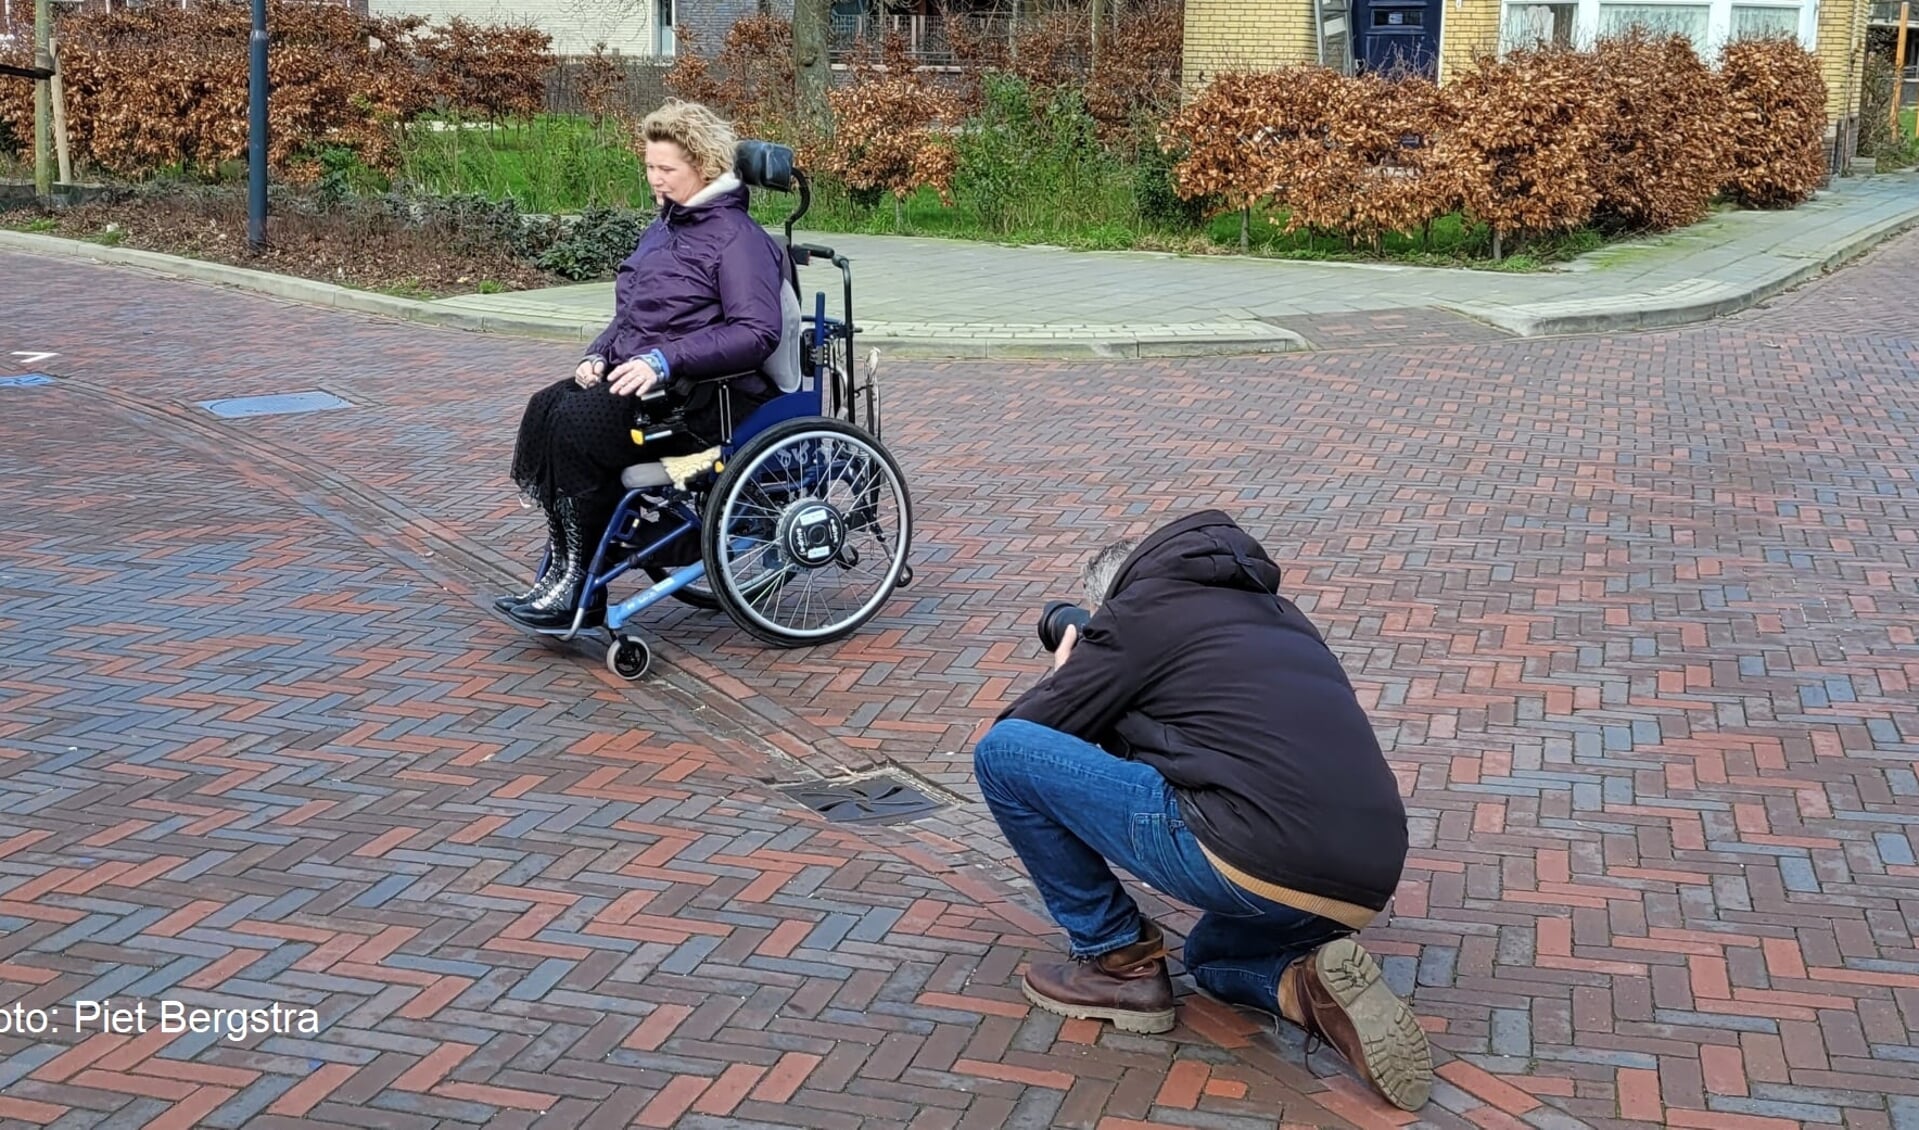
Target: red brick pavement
x: 1633, y: 616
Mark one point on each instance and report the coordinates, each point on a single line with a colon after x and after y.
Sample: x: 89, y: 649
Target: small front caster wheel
x: 629, y: 658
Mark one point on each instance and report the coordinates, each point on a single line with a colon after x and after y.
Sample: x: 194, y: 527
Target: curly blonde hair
x: 706, y: 138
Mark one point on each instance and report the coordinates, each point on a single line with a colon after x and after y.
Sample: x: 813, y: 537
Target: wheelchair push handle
x: 805, y: 253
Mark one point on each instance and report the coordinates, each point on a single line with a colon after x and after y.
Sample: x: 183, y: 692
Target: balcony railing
x: 929, y: 38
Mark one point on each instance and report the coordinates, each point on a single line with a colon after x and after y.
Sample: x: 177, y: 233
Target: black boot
x: 579, y: 539
x: 554, y: 540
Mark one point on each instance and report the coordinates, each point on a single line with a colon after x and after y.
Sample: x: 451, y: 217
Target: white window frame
x: 664, y: 45
x: 1586, y: 15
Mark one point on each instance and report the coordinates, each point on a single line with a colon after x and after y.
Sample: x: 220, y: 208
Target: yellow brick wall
x: 1246, y: 35
x: 1467, y: 28
x: 1840, y: 43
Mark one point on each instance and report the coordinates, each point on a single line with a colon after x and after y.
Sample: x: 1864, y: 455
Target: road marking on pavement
x: 28, y: 357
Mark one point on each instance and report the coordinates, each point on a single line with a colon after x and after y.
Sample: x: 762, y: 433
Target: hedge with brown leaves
x: 1525, y: 134
x: 1380, y: 171
x: 162, y: 87
x: 889, y: 129
x: 1665, y: 146
x: 1252, y: 137
x: 1350, y: 156
x: 1777, y: 114
x: 1131, y: 83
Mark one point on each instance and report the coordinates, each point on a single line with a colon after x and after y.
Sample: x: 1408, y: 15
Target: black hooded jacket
x: 1194, y: 665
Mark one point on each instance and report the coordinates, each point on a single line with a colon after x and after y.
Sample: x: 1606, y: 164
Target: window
x: 663, y: 27
x: 1753, y: 22
x: 1658, y: 19
x: 1539, y: 25
x: 1709, y: 24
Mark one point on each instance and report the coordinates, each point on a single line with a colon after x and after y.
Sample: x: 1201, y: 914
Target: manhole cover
x: 27, y: 381
x: 877, y: 800
x: 282, y: 404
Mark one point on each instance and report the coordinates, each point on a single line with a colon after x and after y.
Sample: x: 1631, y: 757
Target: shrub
x: 1665, y: 147
x: 1253, y: 137
x: 488, y: 71
x: 1379, y: 170
x: 1130, y: 85
x: 750, y: 81
x: 593, y: 245
x: 1158, y: 198
x: 1135, y: 81
x: 160, y: 88
x: 1030, y: 160
x: 1524, y: 139
x: 1777, y: 110
x: 888, y: 135
x: 602, y: 82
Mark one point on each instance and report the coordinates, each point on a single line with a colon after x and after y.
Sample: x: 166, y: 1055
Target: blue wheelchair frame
x: 808, y: 400
x: 825, y: 340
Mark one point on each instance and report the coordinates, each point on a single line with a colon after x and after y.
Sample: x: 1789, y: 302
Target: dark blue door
x: 1397, y: 36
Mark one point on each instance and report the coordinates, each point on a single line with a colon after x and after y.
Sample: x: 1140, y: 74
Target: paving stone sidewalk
x: 950, y: 298
x: 945, y: 299
x: 1633, y: 616
x: 257, y: 751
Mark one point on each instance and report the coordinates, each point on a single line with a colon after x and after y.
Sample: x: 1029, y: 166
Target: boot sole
x: 1398, y: 1059
x: 1126, y: 1020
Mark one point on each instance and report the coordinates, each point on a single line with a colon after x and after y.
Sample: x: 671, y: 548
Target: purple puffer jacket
x: 702, y: 287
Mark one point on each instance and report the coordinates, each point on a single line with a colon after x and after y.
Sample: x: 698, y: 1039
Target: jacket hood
x: 724, y: 193
x: 1205, y: 548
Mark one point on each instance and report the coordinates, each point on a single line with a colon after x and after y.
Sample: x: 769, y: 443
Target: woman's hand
x: 632, y: 378
x: 589, y: 372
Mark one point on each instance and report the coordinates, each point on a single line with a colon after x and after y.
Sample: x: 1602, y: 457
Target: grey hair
x: 1097, y: 578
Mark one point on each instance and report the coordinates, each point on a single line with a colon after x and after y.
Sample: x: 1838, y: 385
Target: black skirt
x: 575, y: 441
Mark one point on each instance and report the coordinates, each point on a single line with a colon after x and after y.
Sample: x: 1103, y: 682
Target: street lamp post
x: 257, y: 129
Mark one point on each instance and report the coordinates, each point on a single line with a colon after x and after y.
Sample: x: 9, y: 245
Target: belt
x: 1344, y: 913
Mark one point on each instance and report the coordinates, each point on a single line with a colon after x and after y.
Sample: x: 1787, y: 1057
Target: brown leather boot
x: 1347, y: 1004
x: 1128, y: 986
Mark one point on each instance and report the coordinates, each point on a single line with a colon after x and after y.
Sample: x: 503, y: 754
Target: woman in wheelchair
x: 698, y: 300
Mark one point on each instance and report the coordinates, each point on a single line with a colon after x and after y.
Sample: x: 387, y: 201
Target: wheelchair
x: 800, y: 515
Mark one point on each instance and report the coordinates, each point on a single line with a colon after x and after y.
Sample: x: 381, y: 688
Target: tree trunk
x: 812, y: 71
x: 1092, y: 33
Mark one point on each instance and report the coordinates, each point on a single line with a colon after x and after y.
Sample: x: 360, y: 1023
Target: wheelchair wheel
x: 807, y: 532
x: 629, y: 658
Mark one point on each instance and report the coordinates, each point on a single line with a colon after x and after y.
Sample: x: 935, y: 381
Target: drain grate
x: 876, y: 800
x: 281, y: 404
x: 27, y: 381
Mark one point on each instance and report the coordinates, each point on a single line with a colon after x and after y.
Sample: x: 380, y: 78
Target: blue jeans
x: 1068, y: 808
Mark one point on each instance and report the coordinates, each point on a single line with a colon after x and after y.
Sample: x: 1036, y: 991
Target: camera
x: 1056, y: 617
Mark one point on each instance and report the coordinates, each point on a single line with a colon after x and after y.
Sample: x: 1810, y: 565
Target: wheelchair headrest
x: 764, y: 164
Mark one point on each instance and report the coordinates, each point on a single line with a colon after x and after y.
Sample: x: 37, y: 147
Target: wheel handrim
x: 814, y: 536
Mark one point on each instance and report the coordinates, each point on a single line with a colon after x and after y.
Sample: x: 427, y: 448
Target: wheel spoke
x: 822, y: 487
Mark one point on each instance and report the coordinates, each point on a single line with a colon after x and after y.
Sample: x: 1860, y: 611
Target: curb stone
x: 1713, y: 301
x: 923, y: 346
x: 1700, y: 300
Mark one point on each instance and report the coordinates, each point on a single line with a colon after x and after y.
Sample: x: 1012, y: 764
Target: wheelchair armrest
x: 683, y: 384
x: 804, y: 253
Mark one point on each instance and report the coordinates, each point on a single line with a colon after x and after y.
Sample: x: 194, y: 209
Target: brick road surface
x: 1634, y: 617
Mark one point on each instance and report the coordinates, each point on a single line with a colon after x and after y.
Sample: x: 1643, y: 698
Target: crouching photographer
x: 1196, y: 732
